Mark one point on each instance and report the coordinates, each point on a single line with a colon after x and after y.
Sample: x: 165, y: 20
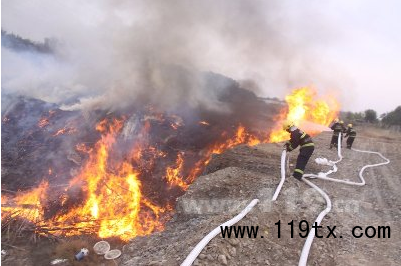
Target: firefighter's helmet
x: 341, y: 122
x: 349, y: 125
x: 287, y: 125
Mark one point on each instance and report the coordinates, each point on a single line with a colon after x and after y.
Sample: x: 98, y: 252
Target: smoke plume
x: 111, y: 54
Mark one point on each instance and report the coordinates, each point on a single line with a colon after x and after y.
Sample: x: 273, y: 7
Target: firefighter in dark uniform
x: 299, y: 138
x: 343, y: 131
x: 350, y: 134
x: 337, y: 128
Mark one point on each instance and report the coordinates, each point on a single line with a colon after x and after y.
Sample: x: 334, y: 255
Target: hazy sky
x: 352, y: 47
x: 368, y: 50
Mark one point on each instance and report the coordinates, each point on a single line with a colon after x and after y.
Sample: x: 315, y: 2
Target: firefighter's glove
x: 287, y: 146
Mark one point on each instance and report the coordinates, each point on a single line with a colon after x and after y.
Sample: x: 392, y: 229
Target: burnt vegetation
x: 40, y: 142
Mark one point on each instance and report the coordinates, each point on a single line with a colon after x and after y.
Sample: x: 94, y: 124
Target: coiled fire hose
x: 308, y: 243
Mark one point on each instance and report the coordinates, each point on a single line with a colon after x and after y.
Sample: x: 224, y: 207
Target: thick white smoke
x: 113, y: 53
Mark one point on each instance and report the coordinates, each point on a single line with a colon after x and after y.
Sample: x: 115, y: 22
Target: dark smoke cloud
x: 112, y: 54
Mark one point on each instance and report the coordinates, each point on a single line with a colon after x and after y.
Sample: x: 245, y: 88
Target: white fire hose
x: 202, y: 244
x: 198, y: 248
x: 283, y: 155
x: 308, y: 243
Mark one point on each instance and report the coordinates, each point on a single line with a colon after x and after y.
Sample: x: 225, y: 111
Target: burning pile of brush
x: 135, y: 166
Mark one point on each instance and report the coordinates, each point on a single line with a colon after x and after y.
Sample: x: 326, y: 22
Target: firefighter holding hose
x: 337, y: 128
x: 299, y: 138
x: 350, y: 134
x: 344, y: 129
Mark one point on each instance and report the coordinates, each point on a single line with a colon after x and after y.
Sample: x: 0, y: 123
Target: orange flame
x: 304, y: 106
x: 175, y: 126
x: 204, y: 123
x: 114, y: 199
x: 177, y: 122
x: 26, y: 204
x: 82, y: 148
x: 43, y: 122
x: 173, y: 174
x: 114, y: 204
x: 241, y: 137
x: 65, y: 130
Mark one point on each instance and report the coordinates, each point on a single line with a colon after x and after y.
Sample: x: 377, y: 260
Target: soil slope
x: 239, y: 175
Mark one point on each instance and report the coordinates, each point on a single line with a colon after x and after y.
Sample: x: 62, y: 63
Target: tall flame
x: 114, y: 196
x: 113, y: 203
x: 304, y: 106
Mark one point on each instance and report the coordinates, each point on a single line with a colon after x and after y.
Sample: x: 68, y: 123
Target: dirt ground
x: 241, y: 174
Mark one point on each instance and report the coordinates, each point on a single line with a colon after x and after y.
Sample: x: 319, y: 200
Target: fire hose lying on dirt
x: 197, y: 250
x: 308, y: 243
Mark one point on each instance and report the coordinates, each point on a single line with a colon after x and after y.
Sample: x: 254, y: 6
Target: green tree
x: 352, y: 117
x: 370, y: 116
x: 393, y: 118
x: 349, y: 116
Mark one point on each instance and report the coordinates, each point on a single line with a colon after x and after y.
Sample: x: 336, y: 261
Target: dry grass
x: 21, y: 236
x: 369, y: 131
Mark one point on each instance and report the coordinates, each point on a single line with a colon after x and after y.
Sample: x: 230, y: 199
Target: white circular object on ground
x: 321, y: 174
x: 112, y: 254
x: 323, y: 161
x: 101, y: 247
